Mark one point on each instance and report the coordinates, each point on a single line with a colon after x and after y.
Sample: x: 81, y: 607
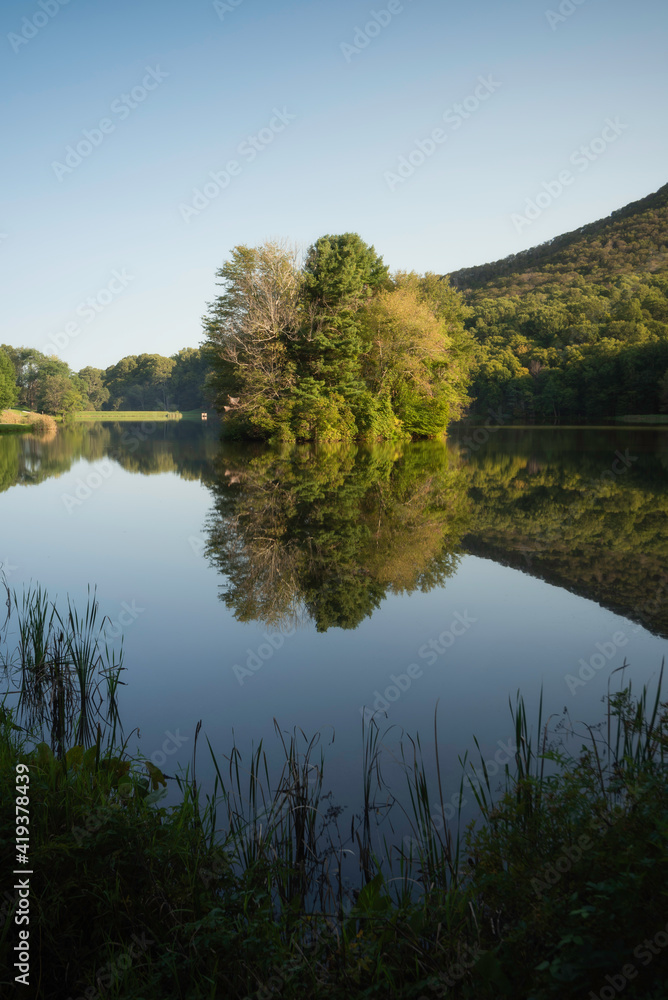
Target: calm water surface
x: 315, y: 587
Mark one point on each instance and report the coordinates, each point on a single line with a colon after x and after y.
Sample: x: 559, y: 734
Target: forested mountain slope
x: 576, y: 329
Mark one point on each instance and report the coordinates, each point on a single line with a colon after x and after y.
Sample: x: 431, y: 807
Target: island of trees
x: 335, y: 349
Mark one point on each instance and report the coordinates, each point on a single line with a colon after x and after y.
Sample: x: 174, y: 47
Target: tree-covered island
x: 334, y: 349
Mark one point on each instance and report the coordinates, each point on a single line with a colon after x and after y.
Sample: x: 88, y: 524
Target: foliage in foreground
x: 563, y: 885
x: 559, y: 891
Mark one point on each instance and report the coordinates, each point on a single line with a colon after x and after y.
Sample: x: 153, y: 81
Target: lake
x: 324, y: 587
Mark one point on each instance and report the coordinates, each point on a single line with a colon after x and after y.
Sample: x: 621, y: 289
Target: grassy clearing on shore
x: 644, y: 418
x: 111, y: 416
x: 241, y: 893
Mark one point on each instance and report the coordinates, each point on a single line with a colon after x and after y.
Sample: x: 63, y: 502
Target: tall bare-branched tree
x: 248, y: 331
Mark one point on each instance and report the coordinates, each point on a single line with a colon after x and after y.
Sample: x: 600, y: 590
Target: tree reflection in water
x: 326, y: 534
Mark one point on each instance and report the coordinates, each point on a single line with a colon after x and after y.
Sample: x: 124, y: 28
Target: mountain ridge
x: 631, y: 239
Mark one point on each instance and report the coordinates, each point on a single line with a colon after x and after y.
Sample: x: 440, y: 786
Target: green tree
x: 42, y: 381
x: 188, y: 382
x: 71, y: 402
x: 153, y: 387
x: 96, y: 391
x: 9, y: 392
x: 54, y: 381
x: 333, y: 402
x: 139, y: 382
x: 26, y: 363
x: 343, y: 272
x: 118, y: 379
x: 408, y: 361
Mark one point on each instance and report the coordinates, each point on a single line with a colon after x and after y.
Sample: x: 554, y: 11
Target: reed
x: 62, y: 668
x: 261, y: 886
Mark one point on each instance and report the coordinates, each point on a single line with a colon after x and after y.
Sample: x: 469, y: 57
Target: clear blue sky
x: 220, y: 70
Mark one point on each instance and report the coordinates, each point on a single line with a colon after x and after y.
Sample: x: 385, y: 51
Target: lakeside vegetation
x: 21, y: 422
x: 335, y: 348
x: 244, y: 891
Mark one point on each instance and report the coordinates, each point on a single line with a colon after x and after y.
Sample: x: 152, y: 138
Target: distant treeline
x: 36, y: 381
